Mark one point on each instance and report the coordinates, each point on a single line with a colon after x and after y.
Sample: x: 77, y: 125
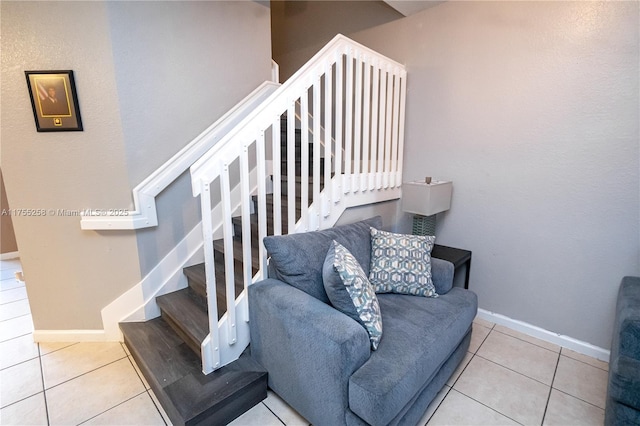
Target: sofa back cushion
x: 297, y: 259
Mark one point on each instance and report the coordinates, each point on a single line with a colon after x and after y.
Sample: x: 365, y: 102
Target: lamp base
x: 424, y: 225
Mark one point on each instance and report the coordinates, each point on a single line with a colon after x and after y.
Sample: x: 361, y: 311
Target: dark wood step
x: 186, y: 316
x: 218, y: 246
x: 198, y: 284
x: 174, y: 373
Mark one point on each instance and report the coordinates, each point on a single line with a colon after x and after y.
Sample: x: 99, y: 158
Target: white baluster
x: 357, y: 123
x: 366, y: 119
x: 229, y: 272
x: 337, y: 191
x: 328, y: 105
x: 277, y: 175
x: 375, y: 152
x: 304, y: 158
x: 348, y: 130
x: 262, y: 203
x: 381, y: 131
x: 387, y: 139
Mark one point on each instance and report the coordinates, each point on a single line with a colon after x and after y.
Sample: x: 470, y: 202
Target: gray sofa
x: 623, y: 392
x: 320, y: 360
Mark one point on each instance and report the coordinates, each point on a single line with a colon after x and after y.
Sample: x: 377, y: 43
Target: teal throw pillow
x: 364, y: 306
x: 401, y: 263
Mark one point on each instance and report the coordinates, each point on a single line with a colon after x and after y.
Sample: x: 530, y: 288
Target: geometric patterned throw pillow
x: 362, y: 294
x: 401, y: 263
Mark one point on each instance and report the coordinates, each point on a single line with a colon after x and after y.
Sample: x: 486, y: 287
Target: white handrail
x: 355, y: 98
x: 144, y: 214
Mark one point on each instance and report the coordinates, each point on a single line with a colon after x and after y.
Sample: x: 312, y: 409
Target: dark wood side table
x: 458, y: 257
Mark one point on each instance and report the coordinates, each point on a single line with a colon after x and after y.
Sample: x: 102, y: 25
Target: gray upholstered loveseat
x: 320, y: 360
x: 623, y: 393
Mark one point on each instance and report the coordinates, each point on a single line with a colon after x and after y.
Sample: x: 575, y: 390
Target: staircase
x: 328, y: 139
x: 167, y: 349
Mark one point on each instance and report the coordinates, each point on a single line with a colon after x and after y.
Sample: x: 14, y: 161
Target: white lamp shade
x: 426, y: 199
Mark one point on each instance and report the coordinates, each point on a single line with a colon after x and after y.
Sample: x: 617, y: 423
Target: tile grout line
x: 86, y: 372
x: 517, y: 372
x: 44, y: 391
x: 271, y: 411
x: 441, y: 401
x: 18, y: 316
x: 111, y: 408
x: 153, y: 401
x: 579, y: 399
x: 489, y: 407
x: 15, y: 337
x: 21, y: 362
x: 531, y: 343
x: 583, y: 362
x: 555, y: 371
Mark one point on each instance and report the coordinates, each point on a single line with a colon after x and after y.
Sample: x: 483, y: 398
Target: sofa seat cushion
x: 419, y: 336
x: 297, y: 259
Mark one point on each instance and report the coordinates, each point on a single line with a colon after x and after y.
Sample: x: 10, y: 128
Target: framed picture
x: 54, y: 101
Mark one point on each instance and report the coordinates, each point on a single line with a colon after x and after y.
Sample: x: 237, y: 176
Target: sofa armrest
x: 309, y: 349
x: 627, y: 324
x: 442, y: 275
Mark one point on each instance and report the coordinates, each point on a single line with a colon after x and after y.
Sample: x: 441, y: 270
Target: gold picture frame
x: 54, y: 101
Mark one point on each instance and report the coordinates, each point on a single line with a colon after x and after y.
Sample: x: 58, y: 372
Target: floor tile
x: 72, y: 361
x: 17, y: 350
x: 9, y: 273
x: 460, y: 369
x: 565, y: 410
x: 258, y: 415
x: 511, y: 394
x: 20, y: 381
x: 10, y: 264
x: 459, y: 409
x: 10, y: 283
x: 603, y: 365
x: 14, y: 309
x: 159, y: 407
x: 522, y: 357
x: 109, y: 386
x: 483, y: 322
x: 478, y: 334
x: 139, y: 410
x: 16, y: 327
x: 48, y: 347
x: 30, y: 411
x: 139, y: 373
x: 8, y: 296
x: 288, y: 415
x: 527, y: 338
x: 433, y: 406
x: 581, y: 380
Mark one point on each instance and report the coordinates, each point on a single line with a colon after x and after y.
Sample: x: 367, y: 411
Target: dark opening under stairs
x: 167, y: 348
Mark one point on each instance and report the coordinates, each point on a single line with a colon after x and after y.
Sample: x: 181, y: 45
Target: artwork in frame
x: 54, y: 101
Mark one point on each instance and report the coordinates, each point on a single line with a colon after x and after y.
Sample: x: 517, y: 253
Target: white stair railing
x: 355, y: 98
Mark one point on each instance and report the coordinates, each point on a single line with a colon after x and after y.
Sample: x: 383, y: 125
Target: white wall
x: 532, y: 110
x: 70, y: 274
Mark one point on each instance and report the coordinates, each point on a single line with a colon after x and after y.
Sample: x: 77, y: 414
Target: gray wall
x: 70, y: 274
x: 531, y: 109
x: 179, y: 67
x: 150, y: 76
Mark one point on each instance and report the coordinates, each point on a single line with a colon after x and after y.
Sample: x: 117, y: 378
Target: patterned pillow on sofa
x: 401, y: 263
x: 351, y: 292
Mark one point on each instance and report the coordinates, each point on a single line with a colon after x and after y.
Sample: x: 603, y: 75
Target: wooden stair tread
x: 174, y: 373
x: 180, y: 309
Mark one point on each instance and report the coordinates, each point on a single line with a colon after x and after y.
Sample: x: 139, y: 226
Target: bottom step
x: 174, y: 373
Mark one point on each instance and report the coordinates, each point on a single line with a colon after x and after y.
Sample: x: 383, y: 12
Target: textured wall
x: 71, y: 274
x: 531, y: 109
x: 179, y: 67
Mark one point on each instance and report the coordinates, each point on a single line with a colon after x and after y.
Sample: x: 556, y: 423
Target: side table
x: 458, y: 257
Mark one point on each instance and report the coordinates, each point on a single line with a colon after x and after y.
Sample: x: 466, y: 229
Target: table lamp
x: 425, y: 199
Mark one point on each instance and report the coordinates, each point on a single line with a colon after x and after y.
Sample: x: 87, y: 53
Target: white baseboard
x: 9, y: 255
x: 69, y: 336
x: 546, y: 335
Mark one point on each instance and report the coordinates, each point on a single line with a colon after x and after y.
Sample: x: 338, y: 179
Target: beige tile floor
x: 506, y: 378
